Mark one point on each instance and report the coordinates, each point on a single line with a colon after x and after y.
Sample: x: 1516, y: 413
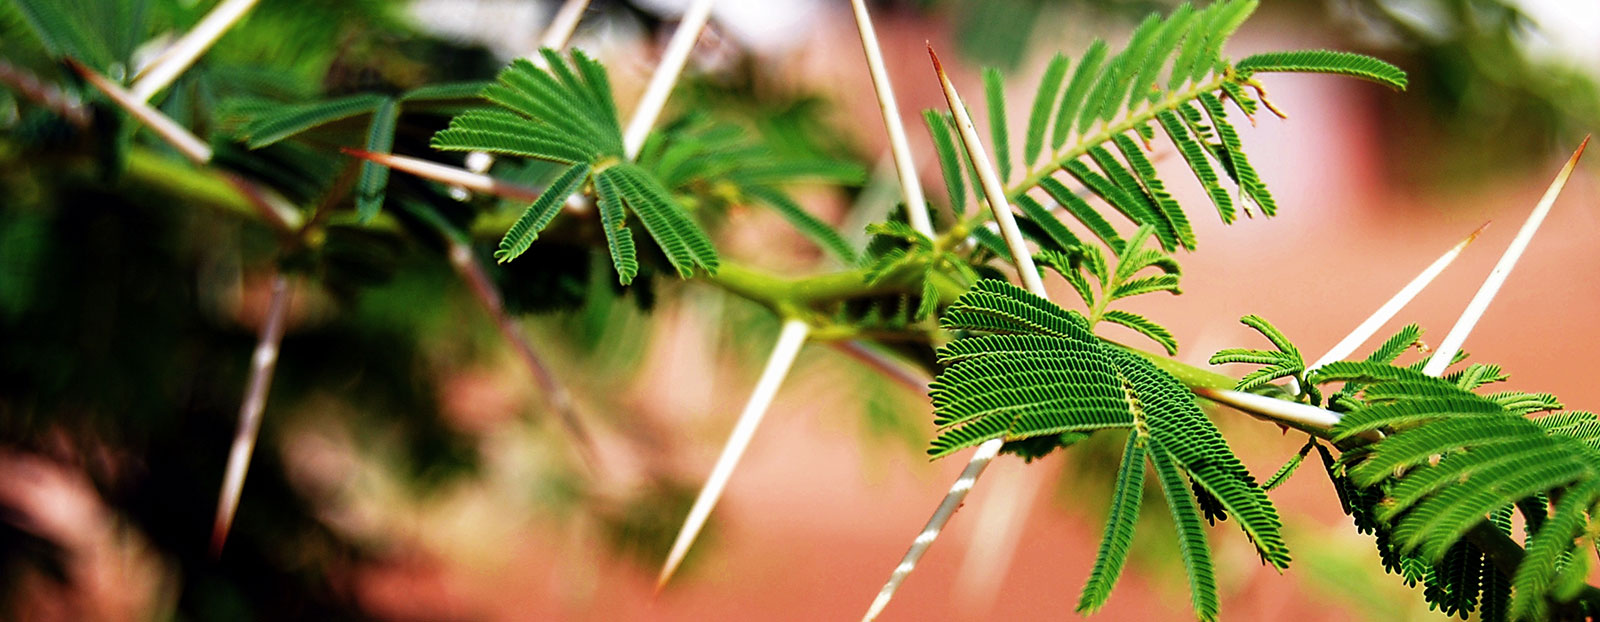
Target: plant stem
x: 262, y: 362
x: 782, y: 358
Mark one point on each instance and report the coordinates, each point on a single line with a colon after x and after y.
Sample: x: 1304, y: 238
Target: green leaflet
x: 994, y: 89
x: 533, y: 220
x: 374, y: 177
x: 1192, y: 545
x: 1326, y: 61
x: 565, y: 114
x: 1120, y: 522
x: 284, y: 122
x: 1024, y: 368
x: 1043, y: 101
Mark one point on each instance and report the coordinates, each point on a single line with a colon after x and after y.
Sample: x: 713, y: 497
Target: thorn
x: 1261, y: 94
x: 262, y: 362
x: 1392, y: 307
x: 778, y: 364
x: 905, y: 165
x: 196, y: 150
x: 476, y: 182
x: 1502, y: 270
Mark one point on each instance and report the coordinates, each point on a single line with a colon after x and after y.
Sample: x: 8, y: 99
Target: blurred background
x: 408, y: 468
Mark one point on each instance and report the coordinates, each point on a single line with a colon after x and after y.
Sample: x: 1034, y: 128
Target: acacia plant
x: 1421, y: 456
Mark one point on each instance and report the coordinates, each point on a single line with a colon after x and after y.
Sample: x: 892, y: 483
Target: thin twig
x: 666, y: 75
x: 784, y: 352
x: 1497, y: 277
x: 556, y: 395
x: 262, y: 362
x: 172, y: 62
x: 916, y: 203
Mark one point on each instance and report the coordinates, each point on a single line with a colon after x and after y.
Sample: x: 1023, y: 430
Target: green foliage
x: 1026, y: 368
x: 565, y: 114
x: 1452, y: 457
x: 717, y: 164
x: 1326, y: 61
x: 1080, y: 263
x: 1124, y: 95
x: 1283, y: 362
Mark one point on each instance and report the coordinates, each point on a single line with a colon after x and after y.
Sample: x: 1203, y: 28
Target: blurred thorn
x: 992, y: 187
x: 476, y: 182
x: 46, y: 95
x: 910, y: 185
x: 562, y: 25
x: 666, y: 75
x: 930, y: 532
x: 273, y: 206
x: 173, y: 61
x: 894, y: 370
x: 556, y: 396
x: 996, y: 536
x: 170, y: 131
x: 784, y: 352
x: 1453, y: 341
x: 262, y: 362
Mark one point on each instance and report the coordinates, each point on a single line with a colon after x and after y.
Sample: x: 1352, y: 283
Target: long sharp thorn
x: 666, y: 75
x: 986, y: 452
x: 476, y: 182
x: 1497, y: 277
x: 996, y: 534
x: 1389, y: 309
x: 166, y: 68
x: 272, y: 205
x: 784, y: 351
x: 930, y: 532
x: 910, y: 185
x: 262, y: 362
x: 992, y: 187
x: 885, y: 364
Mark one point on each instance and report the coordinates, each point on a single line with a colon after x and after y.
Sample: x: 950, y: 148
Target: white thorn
x: 782, y: 358
x: 916, y: 203
x: 166, y: 68
x: 992, y: 188
x: 476, y: 182
x: 666, y: 75
x: 1497, y: 277
x: 947, y: 508
x: 562, y: 25
x: 1389, y: 309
